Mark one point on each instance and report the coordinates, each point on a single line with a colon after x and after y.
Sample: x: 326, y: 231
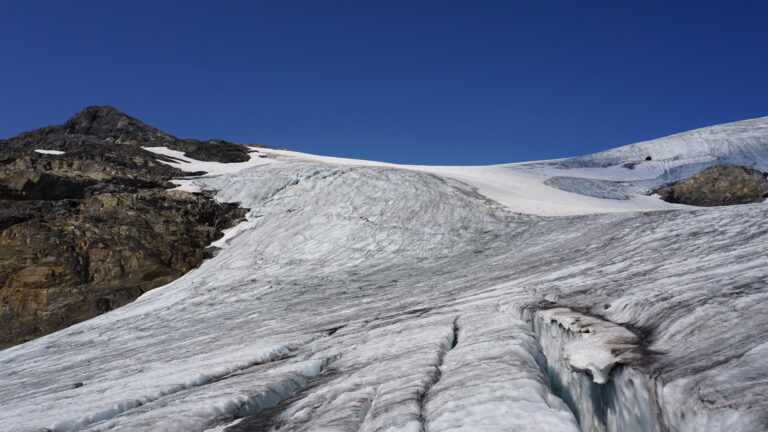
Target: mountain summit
x: 97, y: 126
x: 108, y: 123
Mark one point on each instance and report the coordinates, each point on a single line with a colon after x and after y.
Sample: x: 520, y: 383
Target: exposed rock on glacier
x: 719, y: 185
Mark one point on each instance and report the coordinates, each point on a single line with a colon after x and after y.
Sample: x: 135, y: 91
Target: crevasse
x: 617, y: 398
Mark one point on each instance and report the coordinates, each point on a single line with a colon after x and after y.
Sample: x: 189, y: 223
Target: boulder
x: 718, y: 186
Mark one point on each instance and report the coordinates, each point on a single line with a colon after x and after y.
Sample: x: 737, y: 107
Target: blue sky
x: 439, y: 82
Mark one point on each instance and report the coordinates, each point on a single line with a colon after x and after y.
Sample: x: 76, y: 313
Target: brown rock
x: 717, y: 186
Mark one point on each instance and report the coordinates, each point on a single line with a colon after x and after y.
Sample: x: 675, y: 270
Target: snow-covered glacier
x: 364, y: 296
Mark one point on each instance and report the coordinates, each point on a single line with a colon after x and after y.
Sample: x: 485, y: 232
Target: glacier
x: 366, y: 296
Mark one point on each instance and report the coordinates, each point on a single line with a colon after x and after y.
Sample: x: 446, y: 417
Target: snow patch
x: 231, y: 233
x: 50, y: 152
x: 188, y: 164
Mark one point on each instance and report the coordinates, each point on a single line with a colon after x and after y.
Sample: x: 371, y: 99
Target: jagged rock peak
x: 95, y: 126
x: 108, y: 122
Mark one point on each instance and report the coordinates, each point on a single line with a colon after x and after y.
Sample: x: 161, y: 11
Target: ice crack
x: 449, y: 343
x: 273, y: 355
x: 601, y: 345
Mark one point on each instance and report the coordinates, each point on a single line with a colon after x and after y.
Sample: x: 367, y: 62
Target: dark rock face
x: 106, y: 125
x: 90, y: 230
x: 718, y: 186
x: 62, y: 262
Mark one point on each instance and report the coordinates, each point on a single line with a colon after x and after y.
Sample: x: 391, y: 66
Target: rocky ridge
x: 91, y: 224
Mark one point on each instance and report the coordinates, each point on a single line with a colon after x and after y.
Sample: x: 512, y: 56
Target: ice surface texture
x: 375, y: 298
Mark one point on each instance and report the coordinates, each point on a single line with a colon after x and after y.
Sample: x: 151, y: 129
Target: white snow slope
x: 363, y: 296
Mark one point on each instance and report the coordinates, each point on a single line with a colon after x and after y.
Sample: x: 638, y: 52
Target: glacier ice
x: 597, y: 345
x: 373, y: 297
x: 598, y: 384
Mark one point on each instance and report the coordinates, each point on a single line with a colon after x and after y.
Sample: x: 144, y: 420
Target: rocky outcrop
x: 717, y: 186
x: 91, y: 229
x: 67, y: 261
x: 85, y: 169
x: 106, y: 125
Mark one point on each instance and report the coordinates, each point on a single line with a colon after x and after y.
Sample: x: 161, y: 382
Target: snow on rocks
x: 184, y: 163
x: 179, y: 160
x: 50, y: 152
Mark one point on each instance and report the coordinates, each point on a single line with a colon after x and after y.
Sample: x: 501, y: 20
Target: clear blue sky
x: 440, y: 82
